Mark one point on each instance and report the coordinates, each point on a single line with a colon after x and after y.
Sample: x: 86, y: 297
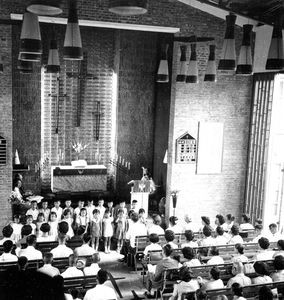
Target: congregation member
x: 258, y: 233
x: 208, y: 240
x: 278, y: 264
x: 188, y: 224
x: 7, y: 232
x: 189, y: 255
x: 220, y: 238
x: 47, y: 268
x: 30, y: 252
x: 189, y: 240
x: 93, y: 268
x: 154, y: 244
x: 17, y: 227
x: 141, y: 216
x: 110, y: 207
x: 25, y: 232
x: 237, y: 291
x: 274, y: 235
x: 61, y: 250
x: 57, y: 209
x: 246, y: 224
x: 77, y: 209
x: 239, y: 275
x: 107, y: 230
x: 156, y: 226
x: 85, y: 249
x: 78, y: 235
x: 230, y: 220
x: 96, y: 229
x: 82, y: 218
x: 101, y: 291
x: 120, y: 229
x: 280, y: 248
x: 122, y: 206
x: 235, y: 235
x: 264, y: 253
x: 90, y: 208
x: 261, y: 269
x: 169, y: 237
x: 214, y: 281
x: 39, y: 222
x: 33, y: 211
x: 101, y: 208
x: 134, y: 206
x: 265, y: 293
x: 45, y: 236
x: 205, y: 221
x: 174, y: 226
x: 215, y: 259
x: 239, y: 256
x: 68, y: 207
x: 72, y: 270
x: 220, y: 221
x: 7, y: 256
x: 44, y: 210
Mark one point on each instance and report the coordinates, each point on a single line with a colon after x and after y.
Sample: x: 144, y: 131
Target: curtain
x: 258, y: 144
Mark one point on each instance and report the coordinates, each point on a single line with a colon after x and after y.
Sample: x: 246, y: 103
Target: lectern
x: 140, y: 191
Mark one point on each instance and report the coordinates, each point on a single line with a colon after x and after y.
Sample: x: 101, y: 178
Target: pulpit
x: 68, y: 178
x: 140, y: 191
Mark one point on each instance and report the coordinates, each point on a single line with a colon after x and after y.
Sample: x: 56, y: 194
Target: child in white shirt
x: 57, y: 209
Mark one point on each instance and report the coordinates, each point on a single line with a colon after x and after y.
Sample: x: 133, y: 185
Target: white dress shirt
x: 214, y: 284
x: 93, y: 269
x: 264, y: 255
x: 236, y: 239
x: 48, y: 238
x: 215, y: 260
x: 207, y: 242
x: 33, y: 212
x: 241, y: 279
x: 156, y: 229
x: 221, y: 240
x: 8, y: 257
x: 190, y: 244
x: 184, y: 287
x: 101, y: 292
x: 72, y: 272
x: 49, y: 270
x: 152, y: 247
x: 84, y: 250
x: 136, y: 229
x: 246, y: 226
x: 58, y: 212
x: 61, y: 251
x: 30, y: 253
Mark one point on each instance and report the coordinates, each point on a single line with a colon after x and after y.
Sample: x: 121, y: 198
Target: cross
x: 82, y: 75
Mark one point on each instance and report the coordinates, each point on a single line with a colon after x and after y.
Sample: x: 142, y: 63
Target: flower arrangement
x: 78, y: 147
x: 13, y: 198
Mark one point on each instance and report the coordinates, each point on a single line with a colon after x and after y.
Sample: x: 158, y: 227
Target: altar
x: 68, y: 178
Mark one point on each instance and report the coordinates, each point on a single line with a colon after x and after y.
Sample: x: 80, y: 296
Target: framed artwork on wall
x: 185, y: 149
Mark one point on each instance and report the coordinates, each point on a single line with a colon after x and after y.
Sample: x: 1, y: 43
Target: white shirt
x: 32, y: 212
x: 84, y: 250
x: 214, y: 284
x: 61, y: 251
x: 192, y: 263
x: 221, y: 240
x: 236, y: 239
x: 176, y: 229
x: 90, y: 211
x: 190, y: 244
x: 261, y: 279
x: 242, y: 279
x: 136, y: 229
x: 246, y: 226
x: 48, y: 238
x: 264, y: 255
x: 184, y: 287
x: 93, y: 269
x: 102, y: 210
x: 207, y: 242
x: 8, y: 257
x: 100, y: 292
x: 215, y: 260
x: 77, y: 211
x: 274, y: 237
x: 49, y: 270
x: 58, y: 212
x: 240, y: 257
x: 31, y: 253
x: 72, y: 272
x: 156, y: 229
x: 173, y: 245
x: 152, y: 247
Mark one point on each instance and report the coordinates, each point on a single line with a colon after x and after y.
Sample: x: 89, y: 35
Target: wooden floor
x: 132, y: 281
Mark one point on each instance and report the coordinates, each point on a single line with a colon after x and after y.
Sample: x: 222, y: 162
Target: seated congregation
x: 54, y: 253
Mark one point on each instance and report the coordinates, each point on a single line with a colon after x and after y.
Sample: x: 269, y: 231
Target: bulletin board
x: 210, y: 148
x: 185, y: 149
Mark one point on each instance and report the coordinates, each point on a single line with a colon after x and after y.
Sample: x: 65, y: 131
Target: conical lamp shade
x: 228, y: 55
x: 128, y: 7
x: 30, y: 57
x: 244, y: 66
x: 163, y: 70
x: 45, y: 7
x: 183, y: 65
x: 192, y: 73
x: 210, y: 73
x: 53, y: 65
x: 30, y: 35
x: 275, y: 59
x: 72, y: 42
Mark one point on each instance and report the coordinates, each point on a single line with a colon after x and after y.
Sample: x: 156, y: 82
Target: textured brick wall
x: 6, y: 121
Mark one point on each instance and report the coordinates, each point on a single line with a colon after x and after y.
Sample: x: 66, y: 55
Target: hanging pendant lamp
x: 228, y: 55
x: 128, y: 7
x: 163, y: 70
x: 30, y: 35
x: 45, y: 7
x: 24, y: 66
x: 183, y: 65
x: 53, y: 65
x: 72, y: 43
x: 210, y: 73
x: 275, y: 59
x: 30, y: 57
x: 192, y: 73
x: 244, y: 66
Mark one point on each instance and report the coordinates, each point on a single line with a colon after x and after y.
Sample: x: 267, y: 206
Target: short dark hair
x: 134, y: 201
x: 221, y: 219
x: 237, y: 289
x: 215, y: 273
x: 141, y: 211
x: 40, y: 214
x: 45, y: 227
x: 63, y: 227
x: 258, y: 226
x: 280, y: 244
x: 154, y: 238
x: 83, y: 208
x: 188, y: 253
x: 26, y: 230
x: 189, y: 235
x: 278, y: 262
x: 102, y: 276
x: 230, y: 217
x: 272, y: 225
x: 134, y: 217
x: 265, y: 293
x: 206, y: 220
x: 173, y: 220
x: 261, y: 268
x: 48, y: 257
x: 240, y: 248
x: 235, y: 229
x: 66, y: 211
x: 214, y: 251
x: 185, y: 274
x: 246, y: 218
x: 31, y: 240
x: 7, y: 246
x: 263, y: 243
x: 207, y: 230
x: 96, y: 211
x: 157, y: 220
x: 22, y: 262
x: 167, y: 249
x: 7, y: 231
x: 219, y: 230
x: 169, y: 235
x: 86, y: 238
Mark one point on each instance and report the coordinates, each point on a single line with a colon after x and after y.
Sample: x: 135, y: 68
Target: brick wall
x: 6, y: 121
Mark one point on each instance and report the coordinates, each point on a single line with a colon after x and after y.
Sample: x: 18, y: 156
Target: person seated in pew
x: 205, y: 221
x: 208, y: 240
x: 7, y: 232
x: 155, y: 279
x: 61, y: 250
x: 280, y: 248
x: 237, y: 290
x: 239, y: 256
x: 216, y: 259
x: 174, y: 226
x: 73, y: 269
x: 278, y: 264
x: 30, y: 252
x: 274, y: 235
x: 58, y: 289
x: 85, y: 249
x: 47, y: 268
x: 141, y: 215
x: 230, y: 220
x: 189, y: 236
x: 261, y: 269
x: 101, y: 291
x: 7, y: 256
x: 235, y: 236
x: 17, y: 227
x: 214, y: 282
x: 265, y: 293
x: 239, y: 276
x: 154, y: 240
x: 186, y: 284
x: 25, y: 232
x: 258, y: 233
x: 220, y: 221
x: 45, y: 237
x: 220, y: 239
x: 94, y: 268
x: 190, y: 256
x: 246, y: 224
x: 156, y: 227
x: 264, y: 253
x: 169, y: 237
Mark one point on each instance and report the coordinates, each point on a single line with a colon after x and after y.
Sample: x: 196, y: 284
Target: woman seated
x: 261, y: 269
x: 189, y: 236
x: 189, y: 255
x: 237, y: 290
x: 280, y: 248
x: 235, y: 236
x: 173, y: 225
x: 208, y: 240
x: 156, y: 226
x: 239, y: 254
x: 265, y: 253
x: 279, y: 267
x: 185, y: 285
x: 246, y: 225
x: 214, y: 282
x: 216, y: 259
